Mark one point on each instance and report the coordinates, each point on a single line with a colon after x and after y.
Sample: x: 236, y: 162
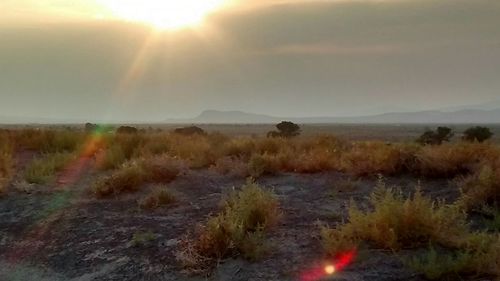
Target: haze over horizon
x: 294, y: 58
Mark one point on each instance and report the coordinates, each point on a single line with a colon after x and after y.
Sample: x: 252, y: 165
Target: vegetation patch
x: 395, y: 223
x: 239, y: 229
x: 159, y: 196
x: 43, y: 169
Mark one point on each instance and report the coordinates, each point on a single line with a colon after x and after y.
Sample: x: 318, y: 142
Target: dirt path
x: 68, y: 235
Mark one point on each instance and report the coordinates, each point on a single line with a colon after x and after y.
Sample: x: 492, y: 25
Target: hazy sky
x: 77, y: 60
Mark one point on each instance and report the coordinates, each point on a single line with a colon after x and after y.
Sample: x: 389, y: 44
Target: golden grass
x: 395, y: 223
x: 133, y: 174
x: 43, y: 169
x: 239, y: 229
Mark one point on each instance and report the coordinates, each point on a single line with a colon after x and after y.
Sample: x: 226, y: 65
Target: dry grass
x: 395, y: 223
x: 6, y: 163
x: 159, y: 196
x: 133, y: 174
x: 43, y: 169
x: 127, y: 178
x: 238, y: 229
x: 481, y: 188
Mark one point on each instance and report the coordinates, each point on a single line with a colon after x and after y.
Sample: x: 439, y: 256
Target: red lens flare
x: 340, y: 262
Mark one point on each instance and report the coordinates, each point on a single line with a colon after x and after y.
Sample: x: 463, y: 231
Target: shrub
x: 478, y: 133
x: 370, y: 158
x: 128, y: 178
x: 396, y: 222
x: 127, y: 130
x: 286, y: 129
x: 43, y: 169
x: 260, y: 165
x: 112, y: 158
x: 231, y: 166
x: 435, y: 266
x: 160, y: 196
x: 6, y: 163
x: 189, y: 131
x: 481, y: 188
x: 239, y: 229
x: 162, y: 168
x: 453, y: 159
x: 442, y: 134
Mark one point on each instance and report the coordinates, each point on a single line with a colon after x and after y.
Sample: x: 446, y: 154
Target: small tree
x: 478, y: 133
x: 286, y: 129
x: 442, y: 134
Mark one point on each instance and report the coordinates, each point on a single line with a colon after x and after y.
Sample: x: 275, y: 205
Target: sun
x: 164, y: 14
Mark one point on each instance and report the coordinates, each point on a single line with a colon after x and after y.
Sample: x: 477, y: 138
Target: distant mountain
x: 454, y: 117
x: 490, y: 105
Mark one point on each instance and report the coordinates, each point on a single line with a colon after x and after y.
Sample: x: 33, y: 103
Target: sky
x: 90, y: 60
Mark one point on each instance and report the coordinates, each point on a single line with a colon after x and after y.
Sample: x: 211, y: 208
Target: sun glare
x: 164, y: 14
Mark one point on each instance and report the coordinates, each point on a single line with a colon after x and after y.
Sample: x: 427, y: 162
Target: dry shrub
x: 239, y: 229
x: 370, y: 158
x: 6, y: 163
x: 195, y: 149
x: 162, y: 168
x: 131, y: 175
x: 112, y: 158
x: 231, y: 166
x: 43, y: 169
x: 261, y: 164
x: 160, y: 196
x: 127, y: 178
x: 481, y: 188
x: 49, y: 141
x: 242, y: 148
x: 453, y: 159
x: 397, y: 223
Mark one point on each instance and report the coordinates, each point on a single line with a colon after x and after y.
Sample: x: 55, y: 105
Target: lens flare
x: 340, y: 262
x: 330, y: 269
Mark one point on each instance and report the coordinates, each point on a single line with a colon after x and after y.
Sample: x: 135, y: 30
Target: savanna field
x: 99, y: 203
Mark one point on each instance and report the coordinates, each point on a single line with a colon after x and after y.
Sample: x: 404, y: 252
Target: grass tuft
x: 239, y: 229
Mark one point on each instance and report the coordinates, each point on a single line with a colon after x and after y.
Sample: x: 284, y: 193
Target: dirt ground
x: 60, y: 232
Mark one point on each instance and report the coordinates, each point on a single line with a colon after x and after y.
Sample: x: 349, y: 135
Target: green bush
x: 478, y: 133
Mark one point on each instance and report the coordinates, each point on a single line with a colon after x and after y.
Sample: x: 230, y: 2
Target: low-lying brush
x: 160, y: 196
x: 6, y: 163
x: 239, y: 229
x: 128, y: 178
x: 481, y: 188
x: 395, y: 223
x: 43, y: 169
x: 133, y: 174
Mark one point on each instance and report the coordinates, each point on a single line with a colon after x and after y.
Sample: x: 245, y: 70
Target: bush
x: 112, y: 158
x: 442, y: 134
x: 478, y: 133
x: 189, y: 131
x: 127, y: 130
x: 43, y: 169
x: 6, y: 163
x: 128, y: 178
x: 239, y: 229
x: 286, y: 129
x: 162, y: 168
x: 396, y: 222
x: 260, y: 165
x: 481, y: 188
x: 160, y: 196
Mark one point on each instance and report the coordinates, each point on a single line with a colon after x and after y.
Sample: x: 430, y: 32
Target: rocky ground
x: 61, y: 232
